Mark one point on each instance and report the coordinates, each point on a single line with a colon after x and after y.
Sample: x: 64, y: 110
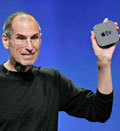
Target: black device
x: 106, y: 34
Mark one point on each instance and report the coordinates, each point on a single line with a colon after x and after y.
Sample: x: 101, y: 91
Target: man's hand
x: 104, y: 55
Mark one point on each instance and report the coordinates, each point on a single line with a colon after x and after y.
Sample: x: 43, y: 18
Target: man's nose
x: 29, y: 44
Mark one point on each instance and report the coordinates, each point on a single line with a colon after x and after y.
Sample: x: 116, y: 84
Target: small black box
x: 106, y: 33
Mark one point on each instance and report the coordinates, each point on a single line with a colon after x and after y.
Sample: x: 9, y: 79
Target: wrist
x: 104, y: 63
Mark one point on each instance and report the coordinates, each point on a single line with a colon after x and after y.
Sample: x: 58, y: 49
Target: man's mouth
x: 28, y: 54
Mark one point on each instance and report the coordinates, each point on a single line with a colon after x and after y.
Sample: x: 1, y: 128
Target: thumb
x: 93, y: 38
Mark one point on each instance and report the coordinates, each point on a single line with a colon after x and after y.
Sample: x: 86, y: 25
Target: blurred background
x: 66, y: 46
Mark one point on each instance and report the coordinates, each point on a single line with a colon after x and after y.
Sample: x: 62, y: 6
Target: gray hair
x: 7, y: 27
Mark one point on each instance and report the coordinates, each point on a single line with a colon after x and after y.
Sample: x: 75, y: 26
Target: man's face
x: 24, y: 45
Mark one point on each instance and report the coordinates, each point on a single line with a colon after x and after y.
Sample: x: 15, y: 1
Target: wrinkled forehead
x: 25, y: 24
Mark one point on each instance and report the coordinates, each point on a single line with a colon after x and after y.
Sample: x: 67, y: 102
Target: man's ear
x: 40, y: 35
x: 5, y: 41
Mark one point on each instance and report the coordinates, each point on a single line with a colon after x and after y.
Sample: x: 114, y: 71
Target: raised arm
x: 104, y: 57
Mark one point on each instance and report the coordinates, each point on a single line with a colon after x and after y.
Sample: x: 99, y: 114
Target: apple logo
x: 103, y: 34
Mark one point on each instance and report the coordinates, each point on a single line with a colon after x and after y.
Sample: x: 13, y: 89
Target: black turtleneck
x: 30, y: 101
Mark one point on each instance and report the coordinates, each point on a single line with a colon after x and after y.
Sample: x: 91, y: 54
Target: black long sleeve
x: 31, y: 101
x: 84, y: 103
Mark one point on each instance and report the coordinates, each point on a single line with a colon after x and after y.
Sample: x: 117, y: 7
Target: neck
x: 17, y: 67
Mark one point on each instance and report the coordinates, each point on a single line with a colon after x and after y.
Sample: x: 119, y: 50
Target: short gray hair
x: 7, y: 27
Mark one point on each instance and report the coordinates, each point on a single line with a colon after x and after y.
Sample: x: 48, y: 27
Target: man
x: 31, y: 97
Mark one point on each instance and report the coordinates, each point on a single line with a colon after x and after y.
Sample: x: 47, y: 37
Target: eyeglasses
x: 22, y: 40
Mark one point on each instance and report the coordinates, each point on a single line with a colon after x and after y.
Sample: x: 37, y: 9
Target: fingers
x: 116, y: 24
x: 119, y: 37
x: 105, y: 20
x: 117, y: 27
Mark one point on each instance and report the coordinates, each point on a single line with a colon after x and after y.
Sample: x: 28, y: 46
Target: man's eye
x: 35, y: 37
x: 20, y: 38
